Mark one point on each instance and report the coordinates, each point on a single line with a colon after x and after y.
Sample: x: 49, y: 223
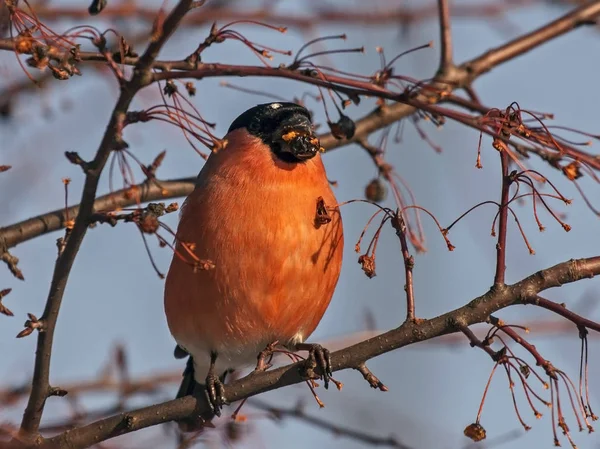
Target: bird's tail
x: 187, y: 387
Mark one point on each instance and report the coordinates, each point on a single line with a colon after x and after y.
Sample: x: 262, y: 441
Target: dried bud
x: 191, y: 88
x: 173, y: 207
x: 475, y: 432
x: 96, y: 7
x: 170, y: 88
x: 59, y: 73
x: 572, y: 171
x: 57, y: 391
x: 203, y: 265
x: 343, y: 128
x: 30, y: 325
x: 25, y: 332
x: 3, y: 309
x: 23, y: 44
x: 368, y: 265
x: 150, y: 170
x: 322, y: 216
x: 499, y: 145
x: 376, y: 190
x: 148, y: 223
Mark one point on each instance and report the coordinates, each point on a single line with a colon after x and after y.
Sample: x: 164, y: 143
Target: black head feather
x: 272, y: 121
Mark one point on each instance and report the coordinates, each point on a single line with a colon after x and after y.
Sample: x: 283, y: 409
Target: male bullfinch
x: 254, y: 214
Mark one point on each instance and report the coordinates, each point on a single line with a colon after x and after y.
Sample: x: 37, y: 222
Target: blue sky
x: 115, y: 297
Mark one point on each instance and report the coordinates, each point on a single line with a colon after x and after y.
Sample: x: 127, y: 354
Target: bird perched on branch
x: 264, y: 213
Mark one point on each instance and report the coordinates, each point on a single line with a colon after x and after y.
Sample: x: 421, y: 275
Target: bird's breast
x: 275, y: 267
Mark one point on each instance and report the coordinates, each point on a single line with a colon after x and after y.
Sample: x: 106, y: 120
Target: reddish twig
x: 561, y: 309
x: 409, y: 263
x: 502, y: 223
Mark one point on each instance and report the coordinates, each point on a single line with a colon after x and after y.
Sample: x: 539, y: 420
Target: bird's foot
x: 215, y: 393
x: 318, y: 357
x: 264, y: 358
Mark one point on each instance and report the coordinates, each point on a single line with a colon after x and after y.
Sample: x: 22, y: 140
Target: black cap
x: 263, y: 119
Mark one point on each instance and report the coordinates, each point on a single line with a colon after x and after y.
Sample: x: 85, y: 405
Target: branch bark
x: 446, y: 62
x: 476, y: 311
x: 112, y: 137
x: 22, y: 231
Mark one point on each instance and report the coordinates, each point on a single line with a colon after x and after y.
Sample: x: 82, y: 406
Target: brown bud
x: 572, y: 171
x: 475, y: 432
x: 148, y: 223
x: 376, y: 191
x: 322, y: 216
x: 343, y: 128
x: 368, y: 265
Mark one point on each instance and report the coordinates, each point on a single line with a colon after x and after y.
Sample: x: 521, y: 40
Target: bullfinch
x: 264, y: 213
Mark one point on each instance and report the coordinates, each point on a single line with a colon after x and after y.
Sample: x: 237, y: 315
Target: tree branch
x: 584, y: 15
x: 502, y: 222
x: 112, y: 138
x: 476, y: 311
x: 378, y: 118
x: 319, y: 15
x: 12, y: 235
x: 561, y: 309
x: 446, y: 62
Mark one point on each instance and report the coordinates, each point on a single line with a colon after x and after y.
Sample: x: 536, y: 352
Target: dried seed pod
x: 376, y: 191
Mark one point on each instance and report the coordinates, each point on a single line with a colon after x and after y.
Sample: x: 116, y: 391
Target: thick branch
x: 476, y: 311
x: 445, y: 38
x: 584, y: 15
x: 112, y: 138
x: 12, y: 235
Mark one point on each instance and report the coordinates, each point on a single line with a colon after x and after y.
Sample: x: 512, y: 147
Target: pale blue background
x: 114, y: 296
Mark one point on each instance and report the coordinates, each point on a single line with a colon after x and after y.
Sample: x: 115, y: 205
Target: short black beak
x: 295, y: 136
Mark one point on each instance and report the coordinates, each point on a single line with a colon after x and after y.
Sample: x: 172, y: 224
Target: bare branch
x: 409, y: 263
x: 561, y: 309
x: 502, y: 223
x: 584, y: 15
x: 322, y: 14
x: 112, y: 138
x: 12, y: 235
x: 476, y: 311
x: 446, y: 62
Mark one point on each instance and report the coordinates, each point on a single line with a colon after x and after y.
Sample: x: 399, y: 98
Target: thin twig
x: 561, y: 309
x: 502, y: 223
x: 409, y: 263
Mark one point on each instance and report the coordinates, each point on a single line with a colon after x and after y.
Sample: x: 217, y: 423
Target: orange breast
x: 275, y: 270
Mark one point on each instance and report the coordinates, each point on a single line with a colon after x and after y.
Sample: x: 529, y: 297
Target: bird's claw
x: 318, y: 357
x: 215, y: 393
x: 264, y: 358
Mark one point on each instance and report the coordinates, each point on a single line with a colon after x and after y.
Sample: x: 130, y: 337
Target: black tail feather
x: 187, y: 387
x: 188, y: 383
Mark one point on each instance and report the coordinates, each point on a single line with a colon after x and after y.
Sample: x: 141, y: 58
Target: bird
x: 264, y: 214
